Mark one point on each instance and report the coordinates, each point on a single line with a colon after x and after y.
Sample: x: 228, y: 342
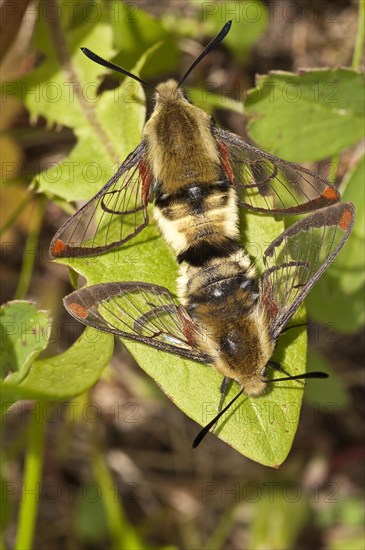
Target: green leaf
x: 24, y: 334
x: 335, y: 394
x: 67, y: 95
x: 261, y: 428
x: 350, y: 263
x: 210, y: 101
x: 307, y: 116
x: 63, y: 376
x: 249, y: 22
x: 270, y: 527
x: 338, y: 297
x: 90, y: 519
x: 327, y: 304
x: 135, y: 31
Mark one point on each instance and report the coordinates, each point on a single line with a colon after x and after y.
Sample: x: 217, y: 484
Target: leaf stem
x: 334, y: 164
x: 222, y: 530
x: 122, y: 534
x: 31, y: 483
x: 60, y: 45
x: 30, y: 251
x: 16, y: 213
x: 359, y: 44
x: 356, y: 62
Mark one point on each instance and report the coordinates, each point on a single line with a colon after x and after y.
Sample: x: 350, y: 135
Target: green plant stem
x: 221, y: 532
x: 334, y: 164
x: 121, y: 532
x: 360, y: 35
x: 30, y: 252
x: 31, y: 483
x: 19, y: 209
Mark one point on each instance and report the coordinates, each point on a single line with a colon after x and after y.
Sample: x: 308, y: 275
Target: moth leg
x: 274, y: 365
x: 226, y: 382
x: 223, y: 390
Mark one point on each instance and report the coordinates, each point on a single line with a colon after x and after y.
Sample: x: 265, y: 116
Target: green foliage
x: 210, y: 101
x: 335, y: 394
x: 349, y: 514
x: 107, y: 127
x: 60, y: 377
x: 90, y: 520
x: 24, y: 334
x: 270, y: 527
x: 249, y: 22
x: 307, y: 116
x: 135, y: 31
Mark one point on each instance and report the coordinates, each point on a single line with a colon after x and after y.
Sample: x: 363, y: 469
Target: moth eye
x: 263, y: 372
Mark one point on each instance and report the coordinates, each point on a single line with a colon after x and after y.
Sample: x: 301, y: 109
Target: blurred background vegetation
x: 113, y: 467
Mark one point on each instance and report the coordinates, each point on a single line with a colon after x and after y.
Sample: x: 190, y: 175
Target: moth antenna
x: 212, y: 44
x: 97, y: 59
x: 314, y: 374
x: 206, y: 428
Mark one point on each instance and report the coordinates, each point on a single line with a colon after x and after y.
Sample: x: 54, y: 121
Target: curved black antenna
x: 205, y: 430
x: 97, y: 59
x: 212, y: 44
x: 313, y: 374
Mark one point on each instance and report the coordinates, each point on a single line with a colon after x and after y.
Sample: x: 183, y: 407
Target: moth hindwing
x: 137, y: 311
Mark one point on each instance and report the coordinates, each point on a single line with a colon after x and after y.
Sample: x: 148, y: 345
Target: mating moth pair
x: 198, y: 176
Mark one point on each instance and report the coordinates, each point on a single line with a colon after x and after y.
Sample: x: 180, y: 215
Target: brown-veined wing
x: 266, y: 183
x: 116, y: 214
x: 296, y: 259
x: 138, y: 311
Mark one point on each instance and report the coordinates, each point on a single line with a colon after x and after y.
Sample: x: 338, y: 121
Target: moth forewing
x: 111, y: 218
x: 285, y: 187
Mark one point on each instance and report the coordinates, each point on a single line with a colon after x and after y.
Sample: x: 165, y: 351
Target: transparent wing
x: 114, y: 216
x: 138, y: 311
x: 266, y: 183
x: 296, y: 259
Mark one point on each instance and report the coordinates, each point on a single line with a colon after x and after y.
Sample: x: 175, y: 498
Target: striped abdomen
x: 200, y: 221
x: 223, y: 299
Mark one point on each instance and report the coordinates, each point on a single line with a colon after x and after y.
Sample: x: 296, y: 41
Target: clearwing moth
x: 233, y: 322
x: 186, y: 161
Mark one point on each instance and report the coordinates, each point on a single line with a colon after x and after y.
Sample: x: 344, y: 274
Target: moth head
x: 169, y: 92
x: 253, y: 385
x: 244, y: 353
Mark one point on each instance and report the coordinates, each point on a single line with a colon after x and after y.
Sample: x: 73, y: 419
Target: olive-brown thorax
x: 181, y: 148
